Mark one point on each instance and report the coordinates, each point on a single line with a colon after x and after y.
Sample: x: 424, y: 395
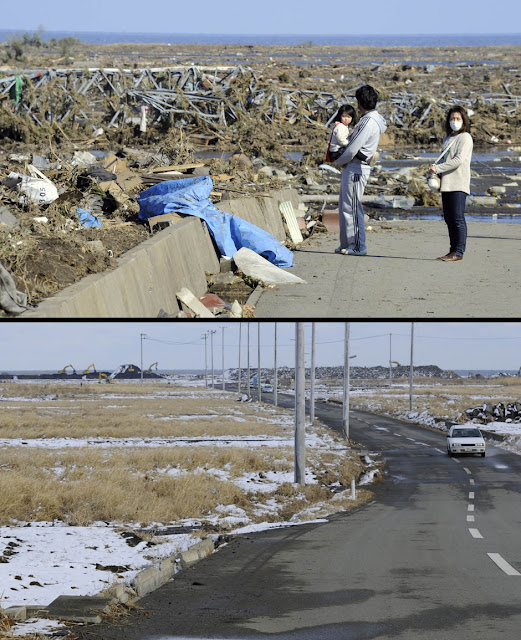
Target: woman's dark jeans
x: 454, y: 215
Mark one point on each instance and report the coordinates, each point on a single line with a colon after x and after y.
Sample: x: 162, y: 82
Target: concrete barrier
x: 150, y: 579
x: 262, y: 211
x: 145, y: 281
x: 148, y: 277
x: 197, y: 552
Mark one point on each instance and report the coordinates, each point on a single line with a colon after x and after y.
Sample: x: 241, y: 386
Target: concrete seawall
x: 147, y: 277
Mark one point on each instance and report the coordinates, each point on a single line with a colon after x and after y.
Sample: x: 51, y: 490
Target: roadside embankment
x: 147, y: 278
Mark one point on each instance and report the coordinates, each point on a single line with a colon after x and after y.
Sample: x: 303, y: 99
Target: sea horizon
x: 380, y: 40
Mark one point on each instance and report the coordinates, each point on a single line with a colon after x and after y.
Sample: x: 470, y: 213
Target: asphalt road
x: 414, y: 563
x: 401, y: 278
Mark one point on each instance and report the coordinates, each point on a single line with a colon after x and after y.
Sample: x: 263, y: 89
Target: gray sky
x: 179, y: 345
x: 267, y: 16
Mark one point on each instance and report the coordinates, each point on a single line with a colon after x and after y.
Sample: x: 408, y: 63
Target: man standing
x: 355, y: 173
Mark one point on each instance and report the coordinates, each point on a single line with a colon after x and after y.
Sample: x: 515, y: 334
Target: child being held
x: 338, y: 140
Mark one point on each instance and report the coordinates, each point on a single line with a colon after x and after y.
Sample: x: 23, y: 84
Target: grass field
x: 66, y: 455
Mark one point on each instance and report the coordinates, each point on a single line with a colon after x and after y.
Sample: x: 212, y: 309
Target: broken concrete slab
x: 165, y: 219
x: 384, y: 202
x: 117, y: 591
x: 7, y: 220
x: 86, y: 609
x: 188, y: 299
x: 482, y: 201
x: 260, y: 270
x: 225, y: 264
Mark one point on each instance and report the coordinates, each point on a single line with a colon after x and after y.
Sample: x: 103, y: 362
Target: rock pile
x: 510, y: 412
x: 363, y: 373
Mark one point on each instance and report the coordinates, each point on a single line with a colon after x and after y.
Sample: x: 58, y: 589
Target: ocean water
x: 379, y: 40
x: 488, y: 373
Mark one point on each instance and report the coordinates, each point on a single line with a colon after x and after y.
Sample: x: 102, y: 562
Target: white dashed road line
x: 503, y: 564
x: 471, y: 481
x: 470, y: 507
x: 467, y: 470
x: 475, y: 533
x: 470, y: 518
x: 471, y: 495
x: 397, y: 434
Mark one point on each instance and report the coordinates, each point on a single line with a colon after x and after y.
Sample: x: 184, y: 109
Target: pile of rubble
x: 362, y: 373
x: 250, y: 126
x: 70, y: 213
x: 510, y: 412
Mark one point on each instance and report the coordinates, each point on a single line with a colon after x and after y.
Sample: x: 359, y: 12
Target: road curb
x: 255, y: 296
x: 88, y: 609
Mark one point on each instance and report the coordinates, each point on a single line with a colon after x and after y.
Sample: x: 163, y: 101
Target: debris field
x: 108, y: 121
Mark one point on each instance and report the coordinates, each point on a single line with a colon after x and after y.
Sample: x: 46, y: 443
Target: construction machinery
x: 154, y: 364
x: 64, y: 370
x: 108, y: 378
x: 91, y: 366
x: 396, y: 363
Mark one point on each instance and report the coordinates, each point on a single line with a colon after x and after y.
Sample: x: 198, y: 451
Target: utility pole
x: 248, y: 364
x: 345, y: 404
x: 275, y: 386
x: 312, y: 384
x: 390, y: 360
x: 222, y: 348
x: 300, y: 406
x: 211, y: 332
x: 240, y: 370
x: 205, y: 336
x: 259, y: 390
x: 143, y: 336
x: 411, y: 369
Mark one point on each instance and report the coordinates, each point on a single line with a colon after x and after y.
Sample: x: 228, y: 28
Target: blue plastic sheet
x: 230, y: 233
x: 87, y: 219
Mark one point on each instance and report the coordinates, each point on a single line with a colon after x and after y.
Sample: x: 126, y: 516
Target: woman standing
x: 454, y: 172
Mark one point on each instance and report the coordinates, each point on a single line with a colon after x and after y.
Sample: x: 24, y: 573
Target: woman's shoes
x: 450, y: 257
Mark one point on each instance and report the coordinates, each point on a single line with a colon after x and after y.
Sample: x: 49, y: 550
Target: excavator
x: 108, y: 378
x: 91, y: 366
x: 154, y: 364
x: 64, y: 370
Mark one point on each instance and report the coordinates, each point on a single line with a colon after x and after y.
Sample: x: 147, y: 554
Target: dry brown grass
x: 149, y: 411
x: 6, y: 624
x: 159, y: 485
x: 440, y: 398
x: 153, y: 484
x: 81, y: 487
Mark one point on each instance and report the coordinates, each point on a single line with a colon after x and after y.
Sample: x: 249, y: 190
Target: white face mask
x: 455, y: 125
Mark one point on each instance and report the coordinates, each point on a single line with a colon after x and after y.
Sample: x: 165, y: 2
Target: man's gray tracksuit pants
x: 350, y: 210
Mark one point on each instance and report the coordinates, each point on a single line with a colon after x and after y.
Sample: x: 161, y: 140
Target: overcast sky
x: 179, y: 345
x: 266, y: 16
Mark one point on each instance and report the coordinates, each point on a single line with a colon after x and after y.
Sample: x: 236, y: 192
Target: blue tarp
x: 231, y: 233
x: 87, y: 219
